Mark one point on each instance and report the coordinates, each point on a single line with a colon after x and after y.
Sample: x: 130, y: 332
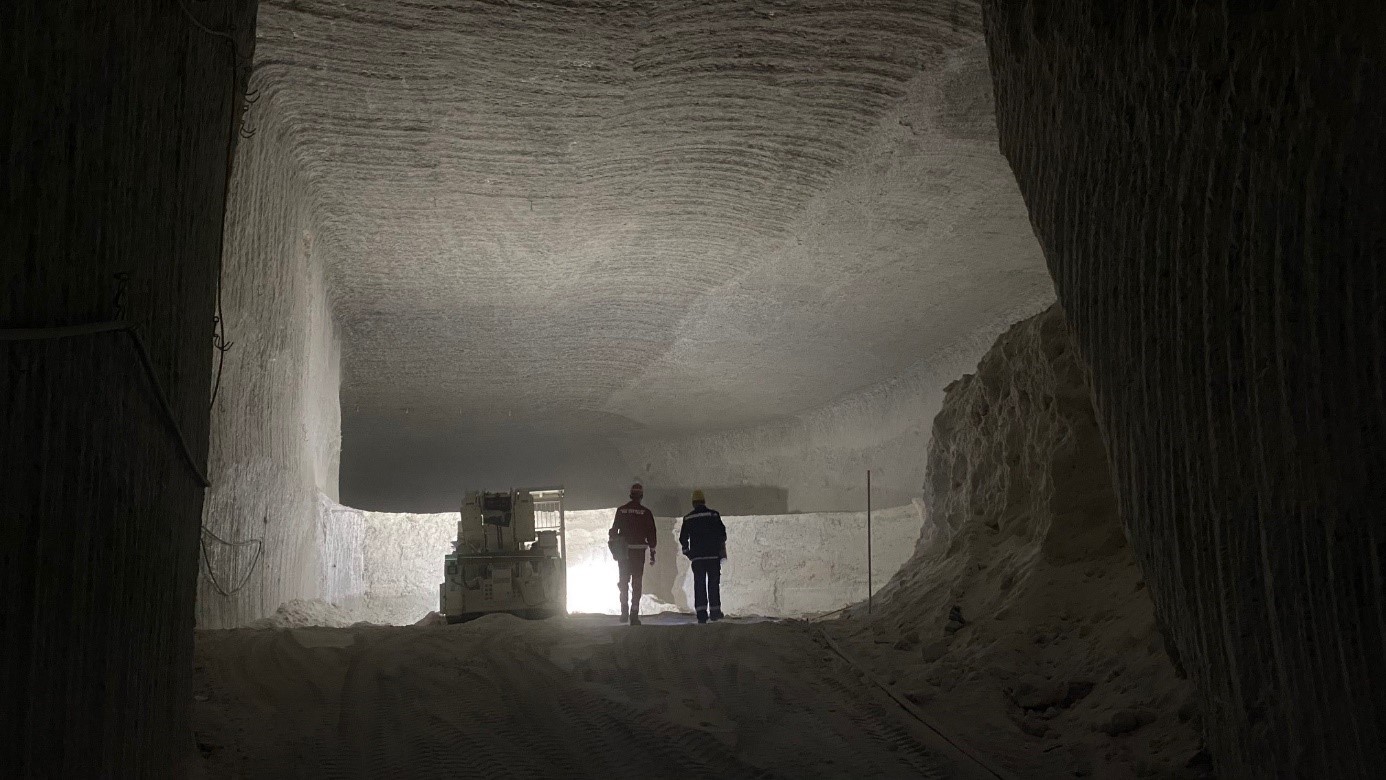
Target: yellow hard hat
x: 698, y: 497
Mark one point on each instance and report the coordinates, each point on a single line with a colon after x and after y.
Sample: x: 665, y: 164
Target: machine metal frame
x: 502, y: 571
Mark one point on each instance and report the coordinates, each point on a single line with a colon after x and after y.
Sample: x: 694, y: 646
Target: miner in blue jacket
x: 704, y: 542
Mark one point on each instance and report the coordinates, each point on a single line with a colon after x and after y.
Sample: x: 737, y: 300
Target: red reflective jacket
x: 634, y: 525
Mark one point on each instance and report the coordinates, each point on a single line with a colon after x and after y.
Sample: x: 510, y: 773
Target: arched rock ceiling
x: 655, y: 217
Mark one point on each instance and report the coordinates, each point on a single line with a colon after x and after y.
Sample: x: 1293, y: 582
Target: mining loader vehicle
x: 509, y: 556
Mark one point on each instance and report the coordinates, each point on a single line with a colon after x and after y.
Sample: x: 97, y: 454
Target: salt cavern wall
x: 1058, y: 668
x: 928, y: 190
x: 1205, y: 180
x: 778, y: 565
x: 557, y: 228
x: 276, y: 423
x: 115, y: 144
x: 816, y: 461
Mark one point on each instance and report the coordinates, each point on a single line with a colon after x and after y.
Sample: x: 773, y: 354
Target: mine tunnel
x: 1031, y: 354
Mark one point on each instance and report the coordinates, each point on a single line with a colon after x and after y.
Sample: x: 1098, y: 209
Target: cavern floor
x: 502, y: 697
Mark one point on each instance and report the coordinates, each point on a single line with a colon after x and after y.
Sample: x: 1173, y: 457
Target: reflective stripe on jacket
x: 703, y: 535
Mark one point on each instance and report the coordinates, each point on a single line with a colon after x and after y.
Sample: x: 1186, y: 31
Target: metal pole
x: 869, y: 587
x: 563, y: 547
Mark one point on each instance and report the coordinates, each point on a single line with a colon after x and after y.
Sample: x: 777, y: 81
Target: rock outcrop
x: 1022, y: 624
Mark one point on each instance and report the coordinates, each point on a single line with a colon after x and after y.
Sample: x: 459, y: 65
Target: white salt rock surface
x: 652, y: 605
x: 790, y: 565
x: 796, y: 565
x: 300, y: 612
x: 1059, y: 668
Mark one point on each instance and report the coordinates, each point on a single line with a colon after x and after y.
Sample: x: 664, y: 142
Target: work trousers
x: 632, y: 581
x: 707, y: 587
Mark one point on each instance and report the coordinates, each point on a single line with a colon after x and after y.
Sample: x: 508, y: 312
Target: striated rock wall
x: 782, y: 565
x: 816, y: 461
x: 342, y: 534
x: 1205, y: 180
x: 276, y: 424
x: 778, y: 566
x: 114, y: 145
x: 404, y: 563
x: 1058, y: 668
x: 803, y: 564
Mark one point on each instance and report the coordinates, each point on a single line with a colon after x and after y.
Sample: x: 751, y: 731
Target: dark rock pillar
x: 1207, y: 182
x: 114, y: 133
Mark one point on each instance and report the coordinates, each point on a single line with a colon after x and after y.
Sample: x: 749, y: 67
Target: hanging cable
x: 221, y: 345
x: 120, y: 326
x: 207, y: 560
x: 239, y: 105
x: 204, y: 28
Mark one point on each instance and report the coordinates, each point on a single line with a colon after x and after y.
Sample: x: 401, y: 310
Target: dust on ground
x: 566, y: 697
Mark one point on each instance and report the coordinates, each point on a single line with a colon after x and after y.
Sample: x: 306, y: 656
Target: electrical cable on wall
x: 170, y: 420
x: 207, y: 559
x: 120, y: 326
x: 240, y: 104
x: 221, y: 345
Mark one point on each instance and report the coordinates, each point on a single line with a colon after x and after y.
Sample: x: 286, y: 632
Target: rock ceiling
x: 643, y: 217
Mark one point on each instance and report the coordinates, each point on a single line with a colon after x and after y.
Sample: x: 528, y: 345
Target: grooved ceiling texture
x: 549, y: 223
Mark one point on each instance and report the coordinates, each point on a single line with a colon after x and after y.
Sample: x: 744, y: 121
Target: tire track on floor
x: 510, y: 698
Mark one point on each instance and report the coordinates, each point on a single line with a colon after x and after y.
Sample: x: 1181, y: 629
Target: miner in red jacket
x: 632, y: 533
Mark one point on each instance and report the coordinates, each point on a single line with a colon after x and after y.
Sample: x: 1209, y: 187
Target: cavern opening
x: 728, y: 388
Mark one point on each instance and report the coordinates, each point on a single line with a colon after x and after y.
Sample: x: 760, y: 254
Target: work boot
x: 634, y: 620
x: 702, y: 616
x: 716, y: 614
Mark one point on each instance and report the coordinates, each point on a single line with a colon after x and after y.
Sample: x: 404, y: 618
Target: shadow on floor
x: 662, y: 619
